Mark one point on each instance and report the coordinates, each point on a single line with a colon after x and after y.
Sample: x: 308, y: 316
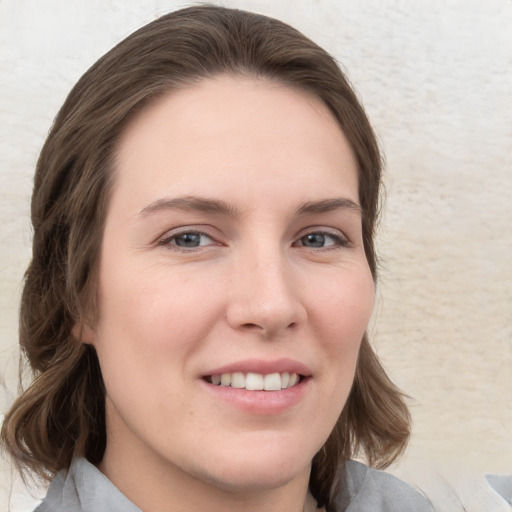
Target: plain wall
x: 436, y: 80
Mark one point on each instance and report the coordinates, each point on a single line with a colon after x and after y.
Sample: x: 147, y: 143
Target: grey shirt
x: 85, y: 489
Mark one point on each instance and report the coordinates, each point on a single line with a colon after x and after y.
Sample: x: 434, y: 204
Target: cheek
x: 149, y: 329
x: 343, y: 313
x: 346, y: 306
x: 148, y: 314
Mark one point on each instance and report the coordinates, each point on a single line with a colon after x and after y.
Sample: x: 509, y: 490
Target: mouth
x: 251, y: 381
x: 259, y: 387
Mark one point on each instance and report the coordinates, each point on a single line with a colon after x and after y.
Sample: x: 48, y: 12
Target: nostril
x: 267, y: 331
x: 256, y: 326
x: 253, y: 327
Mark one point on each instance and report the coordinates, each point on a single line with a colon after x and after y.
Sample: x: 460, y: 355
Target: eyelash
x: 340, y: 241
x: 168, y: 240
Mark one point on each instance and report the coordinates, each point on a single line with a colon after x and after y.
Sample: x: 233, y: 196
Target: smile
x: 255, y: 381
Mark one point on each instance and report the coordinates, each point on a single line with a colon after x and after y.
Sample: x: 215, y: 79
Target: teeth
x: 256, y: 381
x: 272, y: 382
x: 237, y: 380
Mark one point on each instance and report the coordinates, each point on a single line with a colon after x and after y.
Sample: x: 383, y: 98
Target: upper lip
x: 264, y: 367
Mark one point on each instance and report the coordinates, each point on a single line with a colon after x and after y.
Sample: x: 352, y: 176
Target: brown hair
x: 62, y: 413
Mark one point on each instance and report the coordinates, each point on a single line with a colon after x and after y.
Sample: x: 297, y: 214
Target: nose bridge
x: 265, y: 297
x: 272, y: 279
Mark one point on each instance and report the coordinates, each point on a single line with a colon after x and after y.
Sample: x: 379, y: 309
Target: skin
x: 255, y: 288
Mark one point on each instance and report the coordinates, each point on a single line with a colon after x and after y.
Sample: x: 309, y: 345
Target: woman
x: 202, y: 278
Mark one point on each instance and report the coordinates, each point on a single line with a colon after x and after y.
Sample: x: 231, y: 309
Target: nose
x: 264, y: 295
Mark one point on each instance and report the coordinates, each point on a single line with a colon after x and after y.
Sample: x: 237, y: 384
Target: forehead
x: 227, y: 101
x: 234, y: 132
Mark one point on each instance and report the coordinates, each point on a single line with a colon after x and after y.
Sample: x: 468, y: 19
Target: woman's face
x: 232, y: 252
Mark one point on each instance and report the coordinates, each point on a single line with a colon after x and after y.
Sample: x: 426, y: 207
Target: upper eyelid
x: 189, y: 232
x: 208, y: 232
x: 181, y: 230
x: 324, y: 230
x: 168, y: 242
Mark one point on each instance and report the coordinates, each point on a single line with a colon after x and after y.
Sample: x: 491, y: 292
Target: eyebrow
x: 219, y: 207
x: 328, y: 205
x: 191, y: 204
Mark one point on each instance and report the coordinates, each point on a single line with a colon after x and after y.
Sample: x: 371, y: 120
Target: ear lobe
x: 84, y: 333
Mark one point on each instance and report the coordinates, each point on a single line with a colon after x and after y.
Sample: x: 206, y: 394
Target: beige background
x: 436, y: 79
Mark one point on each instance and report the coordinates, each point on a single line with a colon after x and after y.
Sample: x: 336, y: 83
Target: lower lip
x: 259, y: 402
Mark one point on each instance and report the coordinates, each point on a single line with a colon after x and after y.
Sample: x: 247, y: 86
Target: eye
x: 187, y: 240
x: 321, y: 239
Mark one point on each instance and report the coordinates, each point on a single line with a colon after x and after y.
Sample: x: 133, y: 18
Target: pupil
x: 188, y: 240
x: 314, y: 240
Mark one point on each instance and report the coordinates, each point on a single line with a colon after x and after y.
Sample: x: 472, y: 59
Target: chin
x: 261, y: 469
x: 254, y: 479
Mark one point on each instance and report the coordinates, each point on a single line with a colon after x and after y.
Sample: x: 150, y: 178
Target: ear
x: 84, y: 333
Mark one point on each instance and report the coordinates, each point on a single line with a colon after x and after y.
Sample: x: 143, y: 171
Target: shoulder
x: 84, y: 489
x: 362, y: 489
